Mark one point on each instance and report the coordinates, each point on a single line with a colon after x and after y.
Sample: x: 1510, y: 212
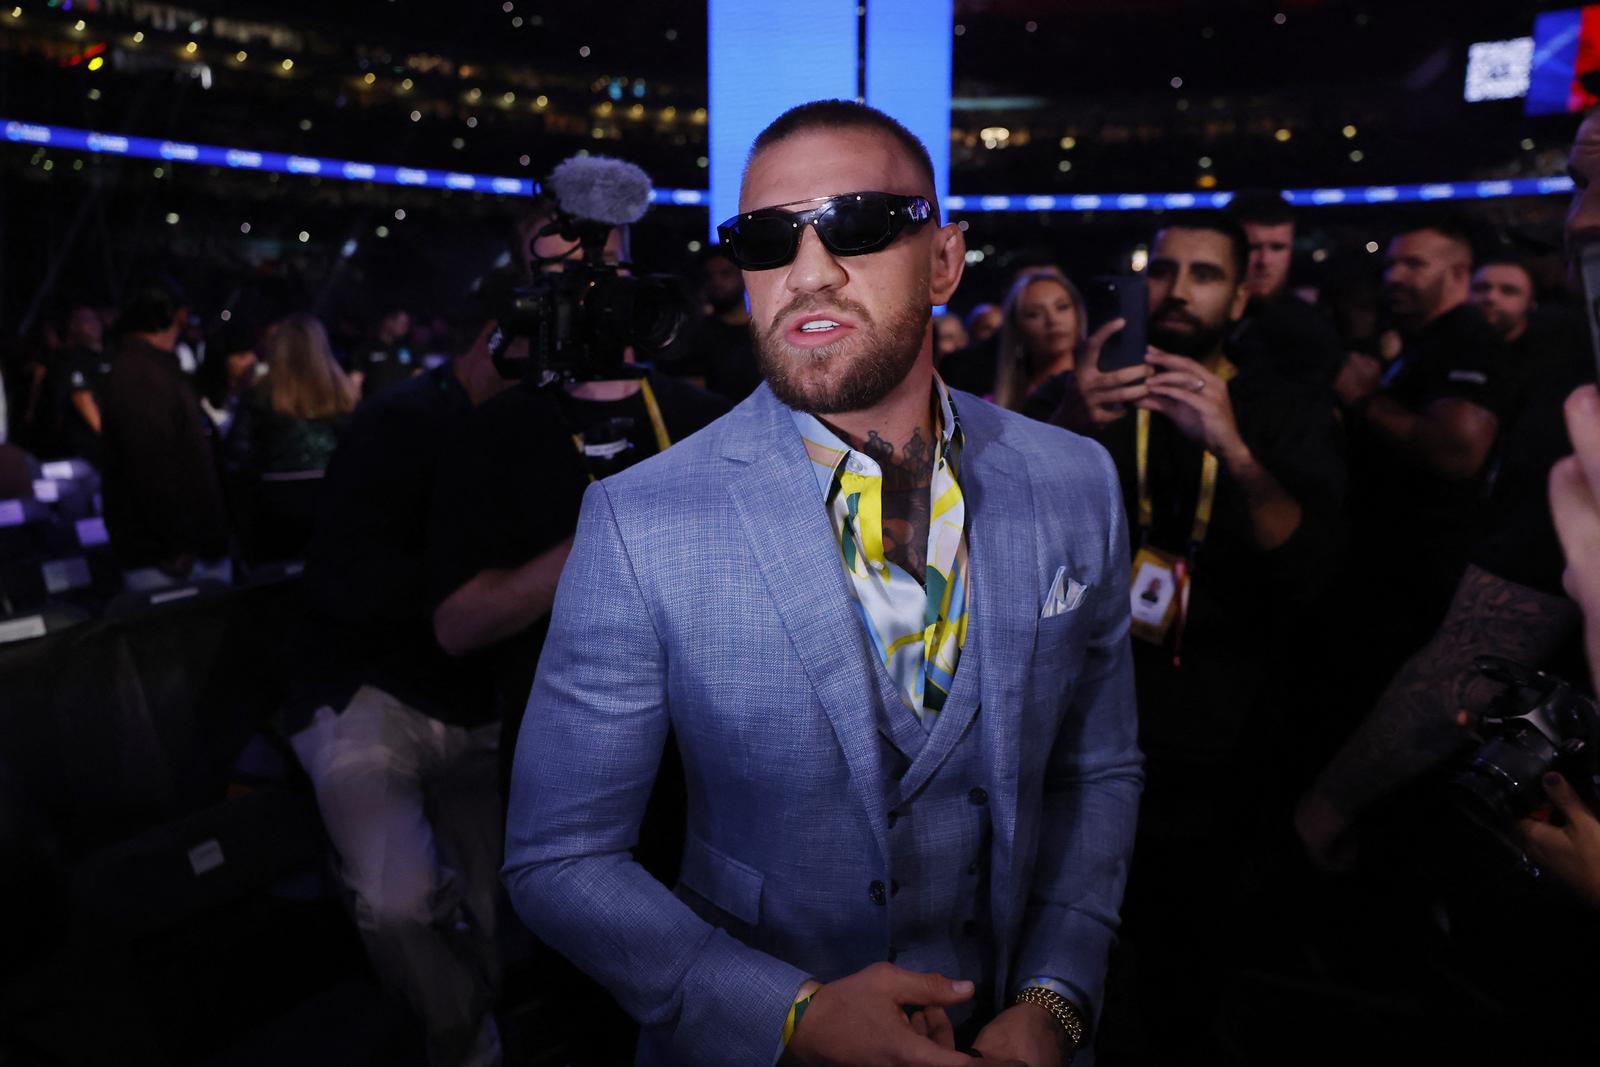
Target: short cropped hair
x: 1261, y: 207
x: 1212, y: 221
x: 847, y: 115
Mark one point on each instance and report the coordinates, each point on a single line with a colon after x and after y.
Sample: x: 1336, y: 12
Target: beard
x: 1198, y: 341
x: 827, y: 380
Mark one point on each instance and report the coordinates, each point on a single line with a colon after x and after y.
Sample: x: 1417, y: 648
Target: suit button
x: 978, y: 796
x: 875, y: 892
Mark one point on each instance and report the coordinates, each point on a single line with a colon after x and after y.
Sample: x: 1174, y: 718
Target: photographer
x: 511, y: 483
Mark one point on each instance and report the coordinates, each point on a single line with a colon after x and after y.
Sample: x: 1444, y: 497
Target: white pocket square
x: 1065, y: 595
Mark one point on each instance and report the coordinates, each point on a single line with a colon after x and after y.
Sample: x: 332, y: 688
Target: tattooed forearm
x: 1413, y: 727
x: 907, y: 476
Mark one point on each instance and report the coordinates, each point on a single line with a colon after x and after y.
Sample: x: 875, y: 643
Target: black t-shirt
x: 1248, y: 606
x: 381, y: 366
x: 367, y: 567
x: 1288, y: 337
x: 723, y: 355
x: 1412, y: 525
x: 512, y: 481
x: 77, y: 370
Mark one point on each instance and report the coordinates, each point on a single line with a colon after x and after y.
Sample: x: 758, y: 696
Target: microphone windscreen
x: 600, y: 189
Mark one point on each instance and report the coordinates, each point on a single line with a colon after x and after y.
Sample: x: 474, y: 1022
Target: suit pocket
x: 722, y: 881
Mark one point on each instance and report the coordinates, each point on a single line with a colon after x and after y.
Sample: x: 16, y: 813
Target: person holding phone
x: 1233, y: 483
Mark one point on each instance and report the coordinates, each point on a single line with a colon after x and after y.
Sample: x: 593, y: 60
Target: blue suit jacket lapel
x: 1003, y: 551
x: 791, y: 541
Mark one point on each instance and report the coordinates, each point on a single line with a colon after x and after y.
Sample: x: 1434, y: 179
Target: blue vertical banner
x: 908, y: 52
x: 1555, y: 59
x: 766, y: 56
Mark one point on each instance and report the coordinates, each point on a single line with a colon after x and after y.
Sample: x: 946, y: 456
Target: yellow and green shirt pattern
x: 917, y: 630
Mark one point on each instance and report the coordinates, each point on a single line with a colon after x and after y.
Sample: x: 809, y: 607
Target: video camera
x: 1538, y: 723
x: 580, y: 314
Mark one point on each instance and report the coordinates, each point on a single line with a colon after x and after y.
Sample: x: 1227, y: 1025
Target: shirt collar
x: 829, y: 454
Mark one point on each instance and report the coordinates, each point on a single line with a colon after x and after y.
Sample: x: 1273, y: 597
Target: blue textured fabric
x: 704, y: 589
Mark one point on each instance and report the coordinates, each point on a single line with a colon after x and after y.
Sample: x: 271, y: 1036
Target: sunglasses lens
x: 853, y: 226
x: 762, y: 241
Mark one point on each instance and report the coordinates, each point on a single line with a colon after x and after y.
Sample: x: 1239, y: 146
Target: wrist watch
x: 1061, y: 1010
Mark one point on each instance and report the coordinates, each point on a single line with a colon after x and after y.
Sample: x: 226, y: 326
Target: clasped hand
x: 886, y: 1016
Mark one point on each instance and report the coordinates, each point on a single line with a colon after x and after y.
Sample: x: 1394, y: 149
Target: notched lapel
x: 791, y: 541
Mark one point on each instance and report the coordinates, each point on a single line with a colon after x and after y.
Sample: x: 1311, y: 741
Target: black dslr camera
x: 1538, y: 723
x: 578, y: 315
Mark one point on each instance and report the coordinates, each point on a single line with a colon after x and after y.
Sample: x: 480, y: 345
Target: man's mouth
x: 818, y: 326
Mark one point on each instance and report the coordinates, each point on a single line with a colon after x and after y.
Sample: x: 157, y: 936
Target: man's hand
x: 1023, y: 1034
x: 1570, y: 852
x: 1100, y: 398
x: 1196, y: 400
x: 1325, y: 833
x: 1575, y: 503
x: 1358, y: 379
x: 860, y: 1021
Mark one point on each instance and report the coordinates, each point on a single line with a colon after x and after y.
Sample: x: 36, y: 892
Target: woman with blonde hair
x: 1043, y: 327
x: 284, y: 436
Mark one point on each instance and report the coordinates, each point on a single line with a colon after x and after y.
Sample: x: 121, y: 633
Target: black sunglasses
x: 852, y: 224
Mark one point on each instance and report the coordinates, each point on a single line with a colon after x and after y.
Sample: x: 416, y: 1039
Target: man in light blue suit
x: 888, y: 624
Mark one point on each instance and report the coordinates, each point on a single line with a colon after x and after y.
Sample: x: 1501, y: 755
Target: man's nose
x: 814, y: 267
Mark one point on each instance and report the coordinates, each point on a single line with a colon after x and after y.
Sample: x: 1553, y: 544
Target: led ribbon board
x: 71, y: 139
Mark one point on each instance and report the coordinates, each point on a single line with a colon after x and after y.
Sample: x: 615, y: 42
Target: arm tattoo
x: 1413, y: 726
x: 907, y: 482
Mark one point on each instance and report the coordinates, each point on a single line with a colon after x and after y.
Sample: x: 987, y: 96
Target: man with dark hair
x: 1234, y: 485
x: 163, y: 500
x: 72, y: 387
x: 1422, y: 431
x: 1504, y: 293
x: 717, y: 348
x: 788, y: 591
x: 385, y: 359
x: 1278, y: 328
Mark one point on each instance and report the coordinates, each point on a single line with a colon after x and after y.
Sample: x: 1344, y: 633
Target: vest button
x: 875, y: 892
x: 894, y: 888
x: 978, y: 796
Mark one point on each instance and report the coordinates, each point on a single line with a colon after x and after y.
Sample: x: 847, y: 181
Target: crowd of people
x: 1326, y: 527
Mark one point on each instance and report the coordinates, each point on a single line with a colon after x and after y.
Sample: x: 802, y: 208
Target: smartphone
x: 1123, y: 297
x: 1589, y: 262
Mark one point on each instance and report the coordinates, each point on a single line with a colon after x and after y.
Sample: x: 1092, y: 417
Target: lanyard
x: 657, y: 423
x: 1207, y: 499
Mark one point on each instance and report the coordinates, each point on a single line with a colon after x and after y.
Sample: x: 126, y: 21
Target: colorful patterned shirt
x: 916, y: 628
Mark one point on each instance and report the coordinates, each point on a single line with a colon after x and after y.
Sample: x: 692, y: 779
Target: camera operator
x: 405, y: 774
x: 511, y: 484
x: 1236, y: 502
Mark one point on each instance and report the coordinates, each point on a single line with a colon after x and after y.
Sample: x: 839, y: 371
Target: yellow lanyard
x: 1208, y: 476
x: 657, y: 423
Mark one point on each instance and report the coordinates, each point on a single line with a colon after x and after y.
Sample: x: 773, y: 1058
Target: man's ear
x: 949, y: 254
x: 1241, y: 300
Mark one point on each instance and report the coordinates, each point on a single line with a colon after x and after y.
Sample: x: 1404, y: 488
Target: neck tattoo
x: 907, y: 481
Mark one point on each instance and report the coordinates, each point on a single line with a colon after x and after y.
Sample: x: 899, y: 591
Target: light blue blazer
x: 705, y: 590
